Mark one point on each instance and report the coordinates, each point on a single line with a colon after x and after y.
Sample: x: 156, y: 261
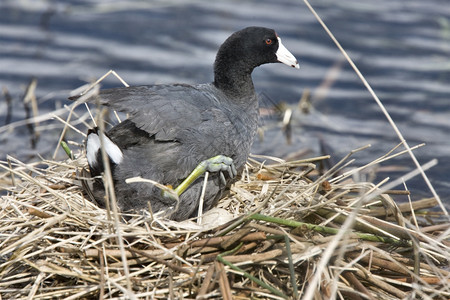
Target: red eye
x: 268, y: 41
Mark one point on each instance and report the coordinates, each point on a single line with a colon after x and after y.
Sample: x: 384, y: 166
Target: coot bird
x: 172, y: 128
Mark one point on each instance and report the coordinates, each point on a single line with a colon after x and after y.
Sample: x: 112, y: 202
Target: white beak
x: 286, y: 57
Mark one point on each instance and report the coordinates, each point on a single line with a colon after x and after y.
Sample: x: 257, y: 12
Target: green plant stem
x: 67, y: 149
x: 327, y: 230
x: 291, y: 266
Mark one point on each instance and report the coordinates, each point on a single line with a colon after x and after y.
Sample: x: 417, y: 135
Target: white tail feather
x: 93, y: 146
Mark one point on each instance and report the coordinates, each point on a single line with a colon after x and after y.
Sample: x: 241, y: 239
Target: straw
x: 55, y: 243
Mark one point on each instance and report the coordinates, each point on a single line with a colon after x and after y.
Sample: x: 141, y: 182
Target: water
x: 402, y: 47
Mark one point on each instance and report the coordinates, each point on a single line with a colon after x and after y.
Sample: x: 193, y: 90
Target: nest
x: 288, y: 232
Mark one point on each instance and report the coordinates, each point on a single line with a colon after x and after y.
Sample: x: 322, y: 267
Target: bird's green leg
x: 219, y: 163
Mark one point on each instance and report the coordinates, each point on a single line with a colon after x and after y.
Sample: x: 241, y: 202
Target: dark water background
x: 402, y: 47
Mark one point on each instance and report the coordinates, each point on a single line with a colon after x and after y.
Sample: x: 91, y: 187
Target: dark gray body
x: 170, y: 130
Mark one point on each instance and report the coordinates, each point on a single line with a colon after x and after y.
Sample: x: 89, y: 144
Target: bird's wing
x: 161, y: 110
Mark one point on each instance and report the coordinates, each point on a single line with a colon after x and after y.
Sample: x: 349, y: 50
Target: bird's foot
x: 219, y: 163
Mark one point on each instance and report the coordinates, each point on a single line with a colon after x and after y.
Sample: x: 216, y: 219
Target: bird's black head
x: 254, y: 46
x: 246, y: 49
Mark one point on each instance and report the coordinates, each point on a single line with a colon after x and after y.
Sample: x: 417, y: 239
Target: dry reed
x: 56, y: 244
